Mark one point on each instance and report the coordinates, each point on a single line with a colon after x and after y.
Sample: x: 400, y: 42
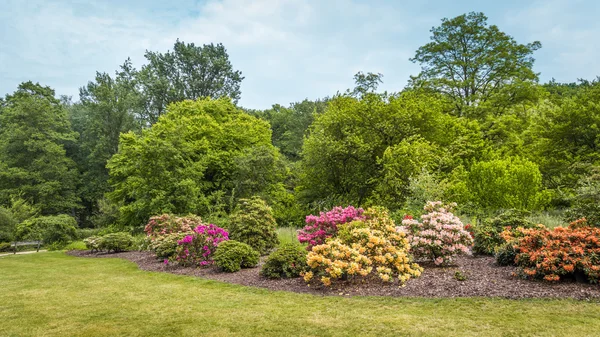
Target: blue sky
x: 287, y: 50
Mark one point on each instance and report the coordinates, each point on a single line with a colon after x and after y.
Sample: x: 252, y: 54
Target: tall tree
x: 34, y: 129
x: 476, y: 64
x: 108, y: 107
x: 187, y: 72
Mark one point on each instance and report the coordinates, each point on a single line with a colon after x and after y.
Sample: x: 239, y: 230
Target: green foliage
x: 92, y: 243
x: 474, y: 63
x: 115, y: 242
x: 231, y: 256
x: 165, y: 246
x: 252, y: 222
x: 55, y: 229
x: 505, y: 254
x: 34, y: 132
x: 184, y: 163
x: 505, y: 184
x: 288, y: 261
x: 460, y: 276
x: 84, y: 233
x: 187, y: 72
x: 586, y: 203
x: 5, y: 246
x: 487, y: 234
x: 365, y: 150
x: 76, y: 245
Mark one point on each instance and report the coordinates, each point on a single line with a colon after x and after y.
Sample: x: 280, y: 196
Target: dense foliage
x: 111, y: 242
x: 252, y: 223
x: 197, y: 248
x: 320, y: 228
x: 232, y: 256
x: 288, y: 261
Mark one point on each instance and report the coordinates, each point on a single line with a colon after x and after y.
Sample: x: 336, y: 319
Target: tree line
x: 475, y: 127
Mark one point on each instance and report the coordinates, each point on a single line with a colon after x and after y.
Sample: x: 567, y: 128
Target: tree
x: 108, y: 108
x: 188, y: 72
x: 34, y: 130
x: 186, y: 162
x: 357, y: 142
x: 474, y: 64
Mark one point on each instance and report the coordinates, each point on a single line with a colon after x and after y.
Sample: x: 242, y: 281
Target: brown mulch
x: 484, y: 279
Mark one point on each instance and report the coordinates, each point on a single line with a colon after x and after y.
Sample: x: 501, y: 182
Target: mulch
x: 484, y: 279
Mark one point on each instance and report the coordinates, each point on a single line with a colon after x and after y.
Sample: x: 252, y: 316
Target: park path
x: 21, y: 253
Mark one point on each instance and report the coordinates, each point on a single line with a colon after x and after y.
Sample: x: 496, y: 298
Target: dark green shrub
x: 55, y: 230
x: 586, y: 202
x: 288, y: 261
x: 233, y: 255
x: 506, y: 254
x: 115, y: 242
x: 487, y: 234
x: 5, y: 246
x: 253, y: 223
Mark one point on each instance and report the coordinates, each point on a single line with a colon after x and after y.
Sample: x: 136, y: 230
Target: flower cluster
x: 168, y: 224
x: 197, y: 248
x: 319, y: 228
x: 361, y: 247
x: 552, y: 254
x: 439, y: 236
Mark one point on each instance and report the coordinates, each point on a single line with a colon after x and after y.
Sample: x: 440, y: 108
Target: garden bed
x: 484, y: 279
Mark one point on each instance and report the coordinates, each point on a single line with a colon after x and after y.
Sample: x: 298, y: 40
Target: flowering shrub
x: 552, y: 254
x: 439, y: 237
x: 487, y: 234
x: 168, y: 224
x: 319, y: 228
x: 197, y: 248
x: 165, y: 246
x: 363, y: 246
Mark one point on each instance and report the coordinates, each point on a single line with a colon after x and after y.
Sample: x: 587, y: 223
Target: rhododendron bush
x: 439, y: 236
x: 361, y: 247
x: 197, y: 249
x: 319, y: 228
x: 184, y: 240
x: 553, y: 254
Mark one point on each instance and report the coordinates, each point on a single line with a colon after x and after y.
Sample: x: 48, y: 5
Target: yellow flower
x: 326, y: 281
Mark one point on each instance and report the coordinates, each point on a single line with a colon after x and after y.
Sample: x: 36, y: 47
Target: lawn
x: 52, y: 294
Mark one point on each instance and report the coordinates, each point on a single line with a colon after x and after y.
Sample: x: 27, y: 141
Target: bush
x: 439, y: 236
x: 252, y: 223
x: 233, y: 255
x: 552, y: 254
x: 168, y: 224
x: 586, y: 203
x: 52, y: 230
x: 197, y: 248
x: 488, y: 234
x: 361, y: 247
x: 92, y: 243
x: 506, y: 254
x: 320, y: 228
x: 5, y: 246
x: 116, y: 242
x: 289, y: 260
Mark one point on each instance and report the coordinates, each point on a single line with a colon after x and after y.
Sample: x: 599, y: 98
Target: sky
x: 287, y: 50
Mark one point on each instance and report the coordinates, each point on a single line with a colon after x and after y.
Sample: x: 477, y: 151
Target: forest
x: 475, y: 126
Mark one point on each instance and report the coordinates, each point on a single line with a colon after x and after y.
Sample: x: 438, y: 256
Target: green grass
x: 52, y: 294
x: 549, y: 219
x: 287, y: 235
x: 76, y: 245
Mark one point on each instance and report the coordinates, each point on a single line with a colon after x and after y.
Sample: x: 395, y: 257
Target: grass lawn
x: 52, y: 294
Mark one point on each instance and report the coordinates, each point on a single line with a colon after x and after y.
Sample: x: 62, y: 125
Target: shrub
x: 506, y: 254
x: 233, y: 255
x: 92, y: 243
x: 552, y: 254
x: 116, y: 242
x: 289, y: 260
x: 165, y: 246
x: 4, y: 246
x: 363, y: 246
x: 55, y: 229
x: 487, y: 234
x: 319, y: 228
x: 252, y: 223
x: 197, y: 248
x: 168, y: 224
x: 586, y: 202
x: 439, y: 236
